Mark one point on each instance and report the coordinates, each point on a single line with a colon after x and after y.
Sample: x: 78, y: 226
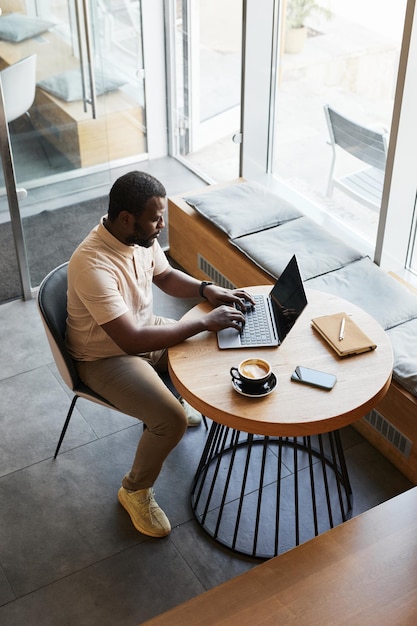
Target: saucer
x: 265, y: 389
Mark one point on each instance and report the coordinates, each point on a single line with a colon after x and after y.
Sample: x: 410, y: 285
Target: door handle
x: 90, y: 58
x: 85, y: 50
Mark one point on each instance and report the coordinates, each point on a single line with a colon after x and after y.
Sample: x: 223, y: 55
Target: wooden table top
x: 362, y: 572
x: 200, y: 372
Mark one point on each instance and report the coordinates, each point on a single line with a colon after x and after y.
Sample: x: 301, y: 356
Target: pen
x: 342, y: 330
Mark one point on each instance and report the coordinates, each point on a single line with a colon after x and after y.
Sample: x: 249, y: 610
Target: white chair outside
x: 369, y: 147
x: 19, y: 86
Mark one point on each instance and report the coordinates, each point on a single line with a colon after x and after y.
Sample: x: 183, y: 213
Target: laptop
x: 271, y: 319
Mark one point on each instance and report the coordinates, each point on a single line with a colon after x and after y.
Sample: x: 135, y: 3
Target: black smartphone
x: 313, y: 377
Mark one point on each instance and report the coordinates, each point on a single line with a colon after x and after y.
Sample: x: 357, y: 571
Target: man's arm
x: 177, y: 283
x: 181, y: 285
x: 133, y: 339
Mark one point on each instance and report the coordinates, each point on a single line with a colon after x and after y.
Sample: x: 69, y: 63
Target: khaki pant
x: 132, y: 385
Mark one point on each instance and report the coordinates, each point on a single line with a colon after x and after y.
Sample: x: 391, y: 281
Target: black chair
x: 52, y: 305
x: 368, y: 146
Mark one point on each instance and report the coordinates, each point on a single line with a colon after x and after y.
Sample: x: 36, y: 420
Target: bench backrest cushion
x: 318, y: 252
x: 243, y: 208
x: 369, y: 287
x: 404, y: 345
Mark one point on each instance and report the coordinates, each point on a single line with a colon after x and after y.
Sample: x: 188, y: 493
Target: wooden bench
x: 362, y: 572
x: 205, y: 252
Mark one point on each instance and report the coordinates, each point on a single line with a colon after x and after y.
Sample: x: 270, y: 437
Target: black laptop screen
x: 288, y: 298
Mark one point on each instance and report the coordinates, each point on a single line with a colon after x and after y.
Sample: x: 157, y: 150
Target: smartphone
x: 313, y: 377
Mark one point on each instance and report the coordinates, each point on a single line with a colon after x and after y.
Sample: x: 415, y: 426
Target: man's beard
x: 144, y: 243
x: 138, y: 239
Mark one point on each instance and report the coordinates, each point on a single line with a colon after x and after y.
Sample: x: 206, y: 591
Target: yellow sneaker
x: 144, y: 512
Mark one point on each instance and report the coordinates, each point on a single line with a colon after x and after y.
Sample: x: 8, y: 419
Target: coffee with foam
x: 254, y: 370
x: 252, y: 373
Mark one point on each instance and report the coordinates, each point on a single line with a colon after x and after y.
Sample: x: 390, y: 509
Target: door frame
x: 188, y: 133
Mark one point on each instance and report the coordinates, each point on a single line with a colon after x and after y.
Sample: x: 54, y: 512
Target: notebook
x: 272, y: 317
x: 354, y: 340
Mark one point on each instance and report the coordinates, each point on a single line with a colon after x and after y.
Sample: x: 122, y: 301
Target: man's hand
x: 224, y: 316
x: 233, y: 297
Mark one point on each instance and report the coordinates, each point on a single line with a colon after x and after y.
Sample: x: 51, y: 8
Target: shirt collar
x: 112, y: 241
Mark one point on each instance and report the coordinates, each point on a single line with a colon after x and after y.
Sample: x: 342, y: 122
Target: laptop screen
x: 288, y: 298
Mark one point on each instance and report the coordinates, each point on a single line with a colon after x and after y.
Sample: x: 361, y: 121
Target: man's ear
x: 125, y: 218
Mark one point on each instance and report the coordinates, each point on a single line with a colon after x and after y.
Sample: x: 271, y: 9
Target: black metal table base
x: 261, y: 495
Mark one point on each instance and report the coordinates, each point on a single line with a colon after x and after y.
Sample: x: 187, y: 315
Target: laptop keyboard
x: 256, y: 330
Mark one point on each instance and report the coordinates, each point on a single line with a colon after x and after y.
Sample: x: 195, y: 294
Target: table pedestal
x: 262, y: 495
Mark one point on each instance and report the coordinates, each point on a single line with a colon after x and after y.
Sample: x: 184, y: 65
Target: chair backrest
x: 52, y: 305
x: 19, y: 87
x: 365, y: 144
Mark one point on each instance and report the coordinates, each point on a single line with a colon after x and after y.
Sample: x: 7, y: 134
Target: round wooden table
x: 280, y: 456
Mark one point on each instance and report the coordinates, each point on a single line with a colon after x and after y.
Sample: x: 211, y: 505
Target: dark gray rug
x: 50, y: 238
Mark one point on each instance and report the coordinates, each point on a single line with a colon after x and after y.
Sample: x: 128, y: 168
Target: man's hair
x: 132, y: 191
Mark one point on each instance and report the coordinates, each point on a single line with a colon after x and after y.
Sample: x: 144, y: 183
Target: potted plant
x: 297, y: 12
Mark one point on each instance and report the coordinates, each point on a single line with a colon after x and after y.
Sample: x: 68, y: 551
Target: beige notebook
x: 354, y: 339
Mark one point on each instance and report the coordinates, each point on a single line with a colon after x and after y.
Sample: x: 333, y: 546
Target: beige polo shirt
x: 107, y: 278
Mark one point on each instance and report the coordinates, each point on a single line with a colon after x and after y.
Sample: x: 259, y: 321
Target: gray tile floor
x: 68, y: 552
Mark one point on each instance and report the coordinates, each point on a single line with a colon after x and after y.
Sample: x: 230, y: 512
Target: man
x: 119, y: 344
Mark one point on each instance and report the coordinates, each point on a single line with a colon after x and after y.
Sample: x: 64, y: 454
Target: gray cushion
x: 317, y: 250
x: 17, y: 27
x: 372, y: 289
x: 243, y: 208
x: 404, y: 344
x: 68, y: 85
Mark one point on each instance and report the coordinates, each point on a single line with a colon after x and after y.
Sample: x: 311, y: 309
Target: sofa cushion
x: 243, y: 208
x: 16, y: 27
x: 369, y: 287
x: 317, y: 251
x: 404, y: 345
x: 68, y: 85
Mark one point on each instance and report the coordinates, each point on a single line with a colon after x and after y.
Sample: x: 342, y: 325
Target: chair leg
x: 329, y: 191
x: 67, y: 421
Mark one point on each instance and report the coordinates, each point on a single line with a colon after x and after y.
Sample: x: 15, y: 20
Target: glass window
x: 345, y: 56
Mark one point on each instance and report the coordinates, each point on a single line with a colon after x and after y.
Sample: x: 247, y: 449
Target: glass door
x: 88, y: 112
x: 206, y: 53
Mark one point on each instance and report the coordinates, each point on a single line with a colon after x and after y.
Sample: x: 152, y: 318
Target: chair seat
x: 366, y: 185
